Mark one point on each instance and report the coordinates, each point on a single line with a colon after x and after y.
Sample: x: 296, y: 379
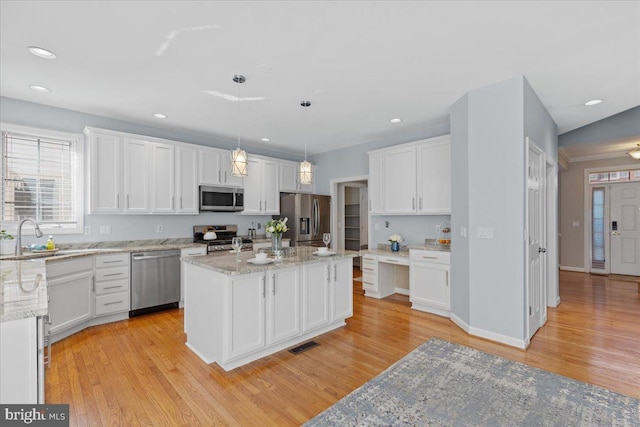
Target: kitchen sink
x: 36, y: 255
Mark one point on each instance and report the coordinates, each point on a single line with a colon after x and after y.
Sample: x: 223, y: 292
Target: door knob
x: 542, y: 250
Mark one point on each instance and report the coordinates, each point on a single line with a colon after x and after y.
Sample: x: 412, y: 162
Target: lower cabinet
x: 70, y: 289
x: 21, y: 361
x: 112, y: 284
x: 235, y: 319
x: 196, y: 251
x: 429, y: 277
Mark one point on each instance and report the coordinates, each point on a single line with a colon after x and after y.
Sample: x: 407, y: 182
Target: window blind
x: 38, y: 180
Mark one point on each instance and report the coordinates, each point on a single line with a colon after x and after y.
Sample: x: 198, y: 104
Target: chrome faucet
x: 19, y: 240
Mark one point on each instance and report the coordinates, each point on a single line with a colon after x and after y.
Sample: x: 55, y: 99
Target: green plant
x: 277, y: 226
x: 5, y: 236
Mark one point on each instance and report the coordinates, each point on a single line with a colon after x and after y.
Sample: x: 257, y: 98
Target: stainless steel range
x: 222, y: 240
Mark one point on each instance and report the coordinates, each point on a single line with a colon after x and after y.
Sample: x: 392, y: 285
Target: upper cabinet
x: 412, y: 178
x: 261, y: 187
x: 215, y: 168
x: 187, y: 181
x: 290, y: 178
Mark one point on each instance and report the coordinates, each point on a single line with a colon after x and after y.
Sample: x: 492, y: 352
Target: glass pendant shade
x: 238, y: 162
x: 306, y: 173
x: 635, y: 153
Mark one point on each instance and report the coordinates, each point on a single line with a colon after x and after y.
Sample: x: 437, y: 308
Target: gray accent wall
x: 489, y: 125
x: 617, y: 127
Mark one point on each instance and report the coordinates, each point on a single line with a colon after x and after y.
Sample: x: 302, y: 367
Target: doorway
x: 350, y: 214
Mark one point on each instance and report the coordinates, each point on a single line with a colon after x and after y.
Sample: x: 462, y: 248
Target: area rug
x: 445, y: 384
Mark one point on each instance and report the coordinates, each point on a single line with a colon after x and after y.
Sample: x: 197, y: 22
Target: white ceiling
x: 359, y: 63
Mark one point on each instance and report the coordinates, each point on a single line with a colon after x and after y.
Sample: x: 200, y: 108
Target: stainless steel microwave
x: 221, y: 199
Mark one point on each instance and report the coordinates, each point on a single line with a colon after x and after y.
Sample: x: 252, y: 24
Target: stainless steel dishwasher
x: 155, y: 281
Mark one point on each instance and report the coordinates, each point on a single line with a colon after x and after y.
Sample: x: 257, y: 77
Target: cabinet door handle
x: 265, y: 205
x: 335, y: 273
x: 430, y: 257
x: 225, y: 176
x: 181, y: 203
x: 127, y: 201
x: 172, y: 202
x: 420, y: 203
x: 111, y: 262
x: 447, y: 278
x: 369, y: 204
x: 328, y: 274
x: 263, y: 288
x: 219, y: 178
x: 413, y: 203
x: 260, y: 205
x: 93, y: 284
x: 113, y: 287
x: 273, y: 278
x: 113, y: 274
x: 391, y: 260
x: 113, y: 302
x: 118, y: 200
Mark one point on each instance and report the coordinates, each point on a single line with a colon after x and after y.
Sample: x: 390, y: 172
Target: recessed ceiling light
x: 39, y: 88
x: 395, y: 120
x: 265, y: 139
x: 160, y: 116
x: 42, y: 53
x: 593, y: 102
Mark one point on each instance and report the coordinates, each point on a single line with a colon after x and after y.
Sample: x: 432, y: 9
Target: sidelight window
x: 597, y: 228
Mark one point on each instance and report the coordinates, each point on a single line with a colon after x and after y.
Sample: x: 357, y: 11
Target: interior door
x: 624, y: 226
x: 536, y: 275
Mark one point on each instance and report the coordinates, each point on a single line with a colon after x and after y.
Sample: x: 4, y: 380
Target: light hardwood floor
x: 139, y: 372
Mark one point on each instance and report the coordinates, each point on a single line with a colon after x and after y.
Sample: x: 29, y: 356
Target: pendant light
x: 306, y: 170
x: 238, y: 156
x: 635, y: 153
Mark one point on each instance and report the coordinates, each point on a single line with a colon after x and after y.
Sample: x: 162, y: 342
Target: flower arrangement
x: 277, y: 226
x: 395, y: 238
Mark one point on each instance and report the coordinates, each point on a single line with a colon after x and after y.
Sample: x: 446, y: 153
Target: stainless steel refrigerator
x: 309, y: 217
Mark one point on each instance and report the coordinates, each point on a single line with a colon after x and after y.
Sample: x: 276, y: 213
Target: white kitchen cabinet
x: 412, y: 178
x: 315, y: 295
x: 261, y: 187
x: 70, y: 285
x: 434, y: 176
x: 137, y: 162
x: 429, y: 281
x: 21, y: 361
x: 105, y: 172
x: 246, y: 315
x: 400, y: 181
x: 209, y: 167
x: 163, y: 178
x: 112, y: 284
x: 376, y: 182
x: 215, y: 168
x: 370, y: 275
x: 283, y: 305
x: 187, y: 181
x: 290, y: 179
x: 341, y: 289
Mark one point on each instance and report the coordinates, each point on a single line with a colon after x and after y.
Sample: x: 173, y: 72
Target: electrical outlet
x: 259, y: 225
x: 386, y: 224
x: 87, y: 230
x: 105, y: 229
x: 159, y: 228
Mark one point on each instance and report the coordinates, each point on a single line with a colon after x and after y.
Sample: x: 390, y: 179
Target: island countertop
x: 226, y: 264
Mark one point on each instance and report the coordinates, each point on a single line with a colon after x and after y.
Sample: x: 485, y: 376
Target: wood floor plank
x: 140, y: 372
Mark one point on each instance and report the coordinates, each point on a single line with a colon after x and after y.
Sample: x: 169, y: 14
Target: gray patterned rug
x: 445, y: 384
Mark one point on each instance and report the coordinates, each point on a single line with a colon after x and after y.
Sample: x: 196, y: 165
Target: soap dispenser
x: 50, y: 245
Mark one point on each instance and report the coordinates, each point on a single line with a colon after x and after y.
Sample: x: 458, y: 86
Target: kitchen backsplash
x: 413, y: 229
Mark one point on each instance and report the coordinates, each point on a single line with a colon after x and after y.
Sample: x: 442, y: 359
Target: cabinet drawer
x: 112, y: 260
x: 393, y: 260
x: 114, y: 273
x: 112, y: 303
x: 194, y: 251
x: 112, y: 286
x: 368, y: 286
x: 63, y: 268
x: 437, y: 257
x: 369, y: 259
x: 369, y: 278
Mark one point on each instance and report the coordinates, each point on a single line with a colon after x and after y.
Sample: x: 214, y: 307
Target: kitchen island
x: 237, y: 312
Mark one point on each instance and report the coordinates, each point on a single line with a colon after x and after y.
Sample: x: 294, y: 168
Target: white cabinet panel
x: 270, y: 187
x: 163, y: 178
x: 283, y: 310
x: 342, y: 289
x: 19, y: 362
x: 434, y: 176
x: 187, y: 181
x: 106, y: 173
x: 209, y: 167
x: 70, y: 300
x: 228, y: 179
x: 400, y: 181
x: 315, y: 296
x: 136, y: 175
x: 246, y: 315
x: 429, y: 281
x: 290, y: 178
x: 376, y: 183
x: 261, y: 187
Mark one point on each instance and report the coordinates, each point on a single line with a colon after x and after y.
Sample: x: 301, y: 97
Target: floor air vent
x: 303, y: 347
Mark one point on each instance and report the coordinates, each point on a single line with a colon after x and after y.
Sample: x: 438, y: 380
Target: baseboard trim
x: 576, y: 269
x: 402, y: 291
x: 504, y: 339
x: 459, y: 322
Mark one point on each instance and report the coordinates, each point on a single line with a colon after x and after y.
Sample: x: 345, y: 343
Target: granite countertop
x: 23, y: 290
x: 226, y: 264
x: 385, y: 249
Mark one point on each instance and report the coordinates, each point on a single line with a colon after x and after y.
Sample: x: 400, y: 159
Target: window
x: 615, y: 176
x: 597, y: 228
x: 42, y: 179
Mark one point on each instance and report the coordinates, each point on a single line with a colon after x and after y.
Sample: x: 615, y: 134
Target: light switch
x: 105, y: 229
x: 159, y: 228
x: 576, y: 223
x: 485, y: 233
x: 87, y: 230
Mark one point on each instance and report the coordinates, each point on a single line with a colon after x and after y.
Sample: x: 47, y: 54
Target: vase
x: 276, y: 245
x: 395, y: 246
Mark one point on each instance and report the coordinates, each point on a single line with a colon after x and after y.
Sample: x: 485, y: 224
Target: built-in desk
x: 385, y: 273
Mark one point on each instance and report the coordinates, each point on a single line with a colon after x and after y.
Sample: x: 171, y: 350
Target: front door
x: 624, y: 228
